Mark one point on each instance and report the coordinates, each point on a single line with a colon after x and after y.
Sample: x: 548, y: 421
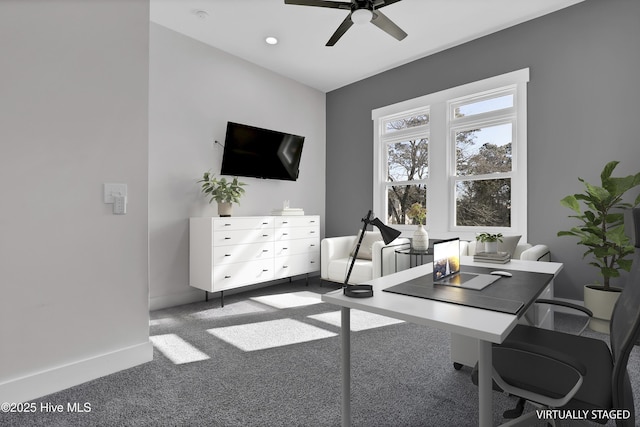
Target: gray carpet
x: 401, y: 372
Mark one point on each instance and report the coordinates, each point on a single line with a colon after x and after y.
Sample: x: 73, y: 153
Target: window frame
x: 442, y: 160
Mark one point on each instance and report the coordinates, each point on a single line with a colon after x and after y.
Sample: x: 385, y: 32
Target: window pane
x: 485, y: 106
x: 408, y: 160
x: 400, y: 198
x: 484, y: 150
x: 483, y: 203
x: 406, y: 122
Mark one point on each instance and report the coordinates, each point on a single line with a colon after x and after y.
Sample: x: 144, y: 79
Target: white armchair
x: 375, y: 259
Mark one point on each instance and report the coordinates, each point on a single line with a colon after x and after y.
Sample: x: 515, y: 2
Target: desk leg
x: 346, y: 366
x: 485, y: 380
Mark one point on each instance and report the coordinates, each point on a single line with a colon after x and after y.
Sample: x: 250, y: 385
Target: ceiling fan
x: 360, y: 12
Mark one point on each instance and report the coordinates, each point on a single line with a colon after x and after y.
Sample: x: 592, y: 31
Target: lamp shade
x: 388, y: 234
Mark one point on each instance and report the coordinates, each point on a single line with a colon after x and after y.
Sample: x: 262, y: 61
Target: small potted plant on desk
x: 602, y: 232
x: 490, y: 241
x: 222, y: 191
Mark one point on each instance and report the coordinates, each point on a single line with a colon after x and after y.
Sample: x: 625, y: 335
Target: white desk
x: 485, y: 326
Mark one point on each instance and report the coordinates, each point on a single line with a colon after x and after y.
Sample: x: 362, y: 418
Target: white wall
x: 73, y: 115
x: 194, y: 90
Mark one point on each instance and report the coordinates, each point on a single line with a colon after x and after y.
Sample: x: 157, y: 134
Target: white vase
x: 491, y: 247
x: 601, y: 304
x: 420, y: 241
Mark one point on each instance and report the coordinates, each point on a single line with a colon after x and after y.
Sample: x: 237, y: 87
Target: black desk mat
x: 512, y: 295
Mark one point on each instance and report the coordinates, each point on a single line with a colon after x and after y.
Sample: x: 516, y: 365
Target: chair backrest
x: 625, y: 328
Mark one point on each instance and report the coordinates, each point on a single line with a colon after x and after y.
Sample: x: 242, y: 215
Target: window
x: 461, y: 153
x: 406, y: 164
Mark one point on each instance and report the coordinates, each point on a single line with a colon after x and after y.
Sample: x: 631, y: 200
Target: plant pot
x: 601, y: 303
x: 491, y: 247
x: 420, y: 241
x: 225, y: 208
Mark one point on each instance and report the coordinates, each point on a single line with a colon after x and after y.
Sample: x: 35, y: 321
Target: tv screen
x: 261, y: 153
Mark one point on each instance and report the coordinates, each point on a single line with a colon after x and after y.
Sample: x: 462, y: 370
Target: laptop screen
x: 446, y: 258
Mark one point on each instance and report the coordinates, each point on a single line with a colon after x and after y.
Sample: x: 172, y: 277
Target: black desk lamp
x: 388, y: 235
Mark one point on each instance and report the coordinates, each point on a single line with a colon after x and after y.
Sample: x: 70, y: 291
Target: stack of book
x: 496, y: 257
x: 288, y: 211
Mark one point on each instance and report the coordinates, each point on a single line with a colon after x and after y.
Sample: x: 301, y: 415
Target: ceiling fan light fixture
x: 271, y: 40
x: 361, y: 16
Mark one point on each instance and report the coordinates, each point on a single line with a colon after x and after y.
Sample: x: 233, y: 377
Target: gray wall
x: 583, y: 104
x: 194, y: 90
x: 73, y: 115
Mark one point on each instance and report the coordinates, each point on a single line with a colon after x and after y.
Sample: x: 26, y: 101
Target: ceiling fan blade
x: 377, y: 4
x: 346, y: 24
x: 321, y: 3
x: 385, y: 24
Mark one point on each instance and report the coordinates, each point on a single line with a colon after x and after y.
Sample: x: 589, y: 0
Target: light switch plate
x: 111, y: 190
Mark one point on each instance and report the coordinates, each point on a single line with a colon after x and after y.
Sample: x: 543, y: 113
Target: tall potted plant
x: 602, y: 232
x: 222, y: 191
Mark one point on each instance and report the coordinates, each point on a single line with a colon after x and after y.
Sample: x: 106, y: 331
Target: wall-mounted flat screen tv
x: 261, y: 153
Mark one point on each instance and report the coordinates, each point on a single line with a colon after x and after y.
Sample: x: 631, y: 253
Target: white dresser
x: 228, y: 253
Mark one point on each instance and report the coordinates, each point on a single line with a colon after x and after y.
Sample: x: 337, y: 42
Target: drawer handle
x: 285, y: 249
x: 312, y: 245
x: 265, y: 223
x: 285, y: 222
x: 227, y: 277
x: 265, y: 250
x: 285, y: 266
x: 227, y: 254
x: 312, y: 232
x: 313, y: 262
x: 285, y: 234
x: 265, y: 235
x: 227, y: 225
x: 227, y: 238
x: 266, y: 269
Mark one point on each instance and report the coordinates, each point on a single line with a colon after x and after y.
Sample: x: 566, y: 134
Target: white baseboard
x: 42, y: 383
x: 172, y: 300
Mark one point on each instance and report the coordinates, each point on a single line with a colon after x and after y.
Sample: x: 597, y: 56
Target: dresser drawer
x: 292, y: 265
x: 241, y: 237
x: 294, y: 221
x: 229, y: 254
x: 227, y: 276
x: 296, y: 247
x: 288, y: 233
x: 242, y: 223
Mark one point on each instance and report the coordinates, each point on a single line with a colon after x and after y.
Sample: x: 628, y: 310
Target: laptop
x: 446, y: 268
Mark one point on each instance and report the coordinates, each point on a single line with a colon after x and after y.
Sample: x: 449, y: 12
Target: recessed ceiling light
x: 271, y: 40
x: 202, y: 14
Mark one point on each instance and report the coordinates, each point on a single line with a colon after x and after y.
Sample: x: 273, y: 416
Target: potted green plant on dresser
x: 222, y: 191
x: 600, y: 210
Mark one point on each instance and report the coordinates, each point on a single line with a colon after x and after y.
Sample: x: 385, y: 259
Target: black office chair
x: 570, y: 372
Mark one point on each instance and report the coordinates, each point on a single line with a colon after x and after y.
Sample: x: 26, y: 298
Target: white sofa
x: 523, y: 251
x: 335, y: 257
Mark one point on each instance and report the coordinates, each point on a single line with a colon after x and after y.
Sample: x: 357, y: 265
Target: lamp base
x: 358, y: 291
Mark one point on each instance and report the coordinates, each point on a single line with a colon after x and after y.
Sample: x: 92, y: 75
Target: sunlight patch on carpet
x: 176, y: 349
x: 270, y: 334
x: 165, y: 321
x: 360, y: 320
x: 289, y: 300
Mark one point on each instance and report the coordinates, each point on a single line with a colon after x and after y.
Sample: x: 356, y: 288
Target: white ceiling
x: 240, y: 27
